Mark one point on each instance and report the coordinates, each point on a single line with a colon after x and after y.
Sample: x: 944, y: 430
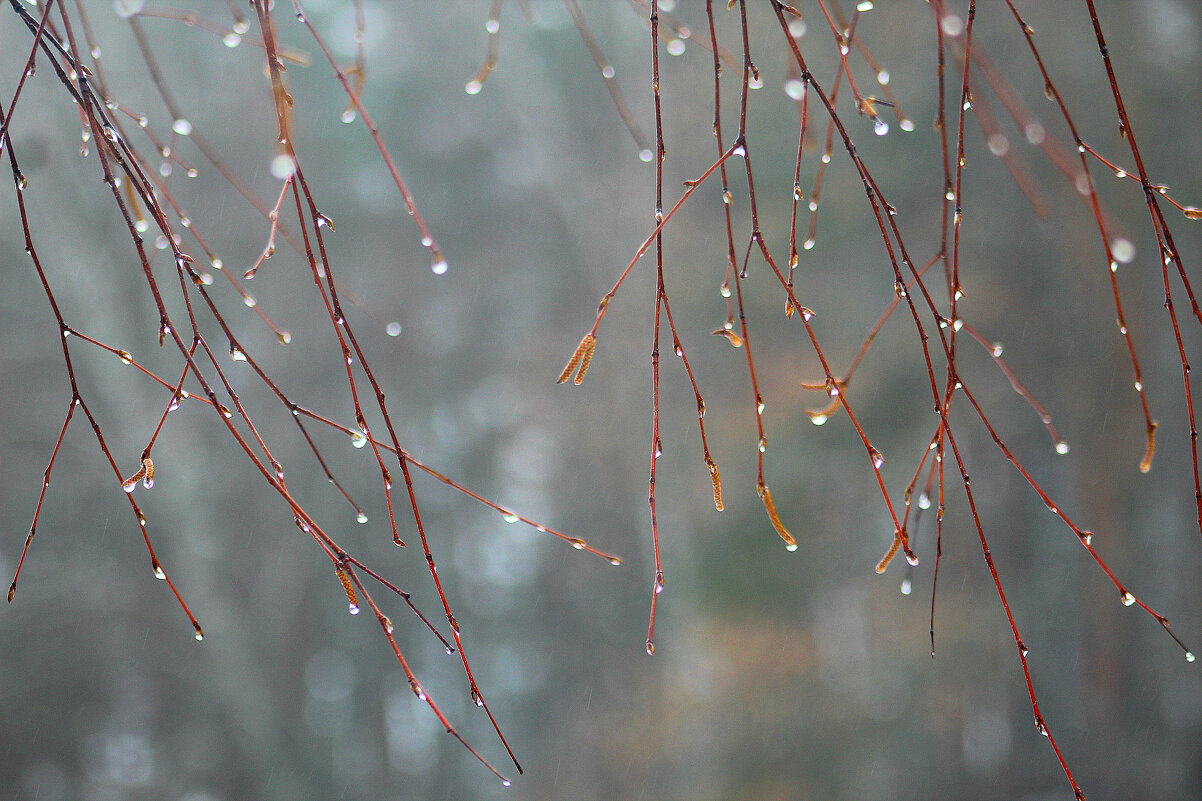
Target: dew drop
x: 659, y: 583
x: 158, y: 572
x: 361, y: 518
x: 128, y: 8
x: 1127, y: 598
x: 358, y: 440
x: 439, y: 267
x: 1062, y: 447
x: 393, y: 329
x: 725, y: 290
x: 182, y: 127
x: 607, y: 72
x: 473, y: 87
x: 645, y: 155
x: 763, y: 444
x: 353, y: 608
x: 509, y: 517
x: 878, y: 460
x: 1123, y: 250
x: 1087, y: 538
x: 283, y: 166
x: 347, y: 116
x: 906, y: 588
x: 231, y: 39
x: 818, y: 419
x: 1189, y: 656
x: 675, y: 47
x: 911, y: 560
x: 650, y: 648
x: 880, y: 127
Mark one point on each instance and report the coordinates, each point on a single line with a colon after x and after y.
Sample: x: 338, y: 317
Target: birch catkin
x: 580, y: 358
x: 770, y: 507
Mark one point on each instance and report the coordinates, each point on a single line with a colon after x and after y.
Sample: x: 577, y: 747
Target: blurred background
x: 778, y: 675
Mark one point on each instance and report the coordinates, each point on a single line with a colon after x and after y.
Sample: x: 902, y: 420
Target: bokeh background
x: 778, y: 675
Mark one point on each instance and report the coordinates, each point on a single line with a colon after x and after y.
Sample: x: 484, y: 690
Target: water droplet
x: 249, y: 301
x: 347, y: 116
x: 906, y: 588
x: 912, y: 560
x: 1062, y: 447
x: 615, y: 561
x: 1139, y: 387
x: 675, y: 47
x: 578, y: 544
x: 924, y: 501
x: 231, y: 39
x: 877, y: 459
x: 724, y: 290
x: 128, y: 8
x: 880, y: 127
x: 1087, y: 537
x: 1023, y: 649
x: 645, y: 155
x: 818, y: 419
x: 510, y: 517
x: 650, y: 648
x: 659, y: 583
x: 607, y: 72
x: 759, y: 407
x: 361, y: 518
x: 125, y: 357
x: 358, y: 440
x: 236, y: 354
x: 283, y: 166
x: 1122, y: 250
x: 439, y: 267
x: 473, y: 87
x: 182, y: 127
x: 158, y: 572
x: 1127, y: 598
x: 1189, y: 656
x: 353, y: 608
x: 763, y: 444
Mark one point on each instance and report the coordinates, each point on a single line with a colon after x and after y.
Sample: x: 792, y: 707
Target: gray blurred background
x: 778, y: 675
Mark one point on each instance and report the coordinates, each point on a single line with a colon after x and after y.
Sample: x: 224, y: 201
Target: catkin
x: 130, y: 483
x: 888, y: 557
x: 1146, y: 464
x: 590, y: 344
x: 347, y: 587
x: 770, y: 507
x: 580, y: 358
x: 717, y: 481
